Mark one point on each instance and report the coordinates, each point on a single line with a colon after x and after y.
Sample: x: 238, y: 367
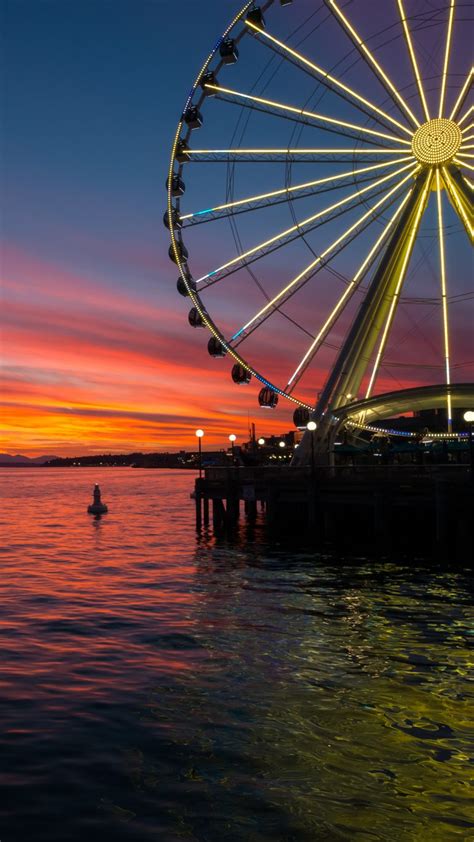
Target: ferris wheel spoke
x: 291, y: 155
x: 344, y: 299
x: 463, y: 163
x: 279, y: 244
x: 459, y: 198
x: 465, y: 116
x: 321, y: 118
x: 444, y: 300
x: 414, y: 62
x: 226, y: 214
x: 462, y: 95
x: 330, y: 81
x: 371, y: 60
x: 353, y: 197
x: 303, y: 120
x: 304, y: 188
x: 447, y: 52
x: 296, y: 283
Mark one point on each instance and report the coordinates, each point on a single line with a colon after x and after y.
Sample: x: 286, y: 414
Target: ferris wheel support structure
x: 354, y: 357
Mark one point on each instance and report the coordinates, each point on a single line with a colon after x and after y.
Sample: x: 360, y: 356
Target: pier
x: 420, y: 510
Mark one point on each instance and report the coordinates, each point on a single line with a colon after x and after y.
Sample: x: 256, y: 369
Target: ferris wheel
x: 319, y: 197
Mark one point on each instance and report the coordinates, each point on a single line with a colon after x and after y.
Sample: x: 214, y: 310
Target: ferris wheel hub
x: 437, y: 141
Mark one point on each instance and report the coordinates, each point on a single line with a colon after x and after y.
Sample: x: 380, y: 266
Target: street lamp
x: 261, y: 442
x: 311, y: 426
x: 199, y: 434
x: 469, y: 419
x: 232, y: 439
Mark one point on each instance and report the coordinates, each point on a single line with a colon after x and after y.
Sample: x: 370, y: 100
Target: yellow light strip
x: 413, y: 58
x: 324, y: 151
x: 332, y: 79
x: 462, y: 94
x: 401, y: 278
x: 466, y: 115
x: 355, y: 195
x: 465, y: 146
x: 404, y: 433
x: 444, y: 296
x: 446, y: 59
x: 315, y: 345
x: 325, y: 253
x: 323, y: 118
x: 333, y: 5
x: 463, y: 164
x: 466, y: 128
x: 302, y: 186
x: 453, y: 192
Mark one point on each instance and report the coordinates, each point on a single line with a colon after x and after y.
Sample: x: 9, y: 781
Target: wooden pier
x: 424, y: 510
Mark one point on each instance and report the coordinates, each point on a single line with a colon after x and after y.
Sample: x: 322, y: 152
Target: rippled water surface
x: 160, y: 686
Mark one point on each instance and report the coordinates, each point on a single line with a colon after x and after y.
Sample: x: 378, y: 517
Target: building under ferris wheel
x: 320, y: 207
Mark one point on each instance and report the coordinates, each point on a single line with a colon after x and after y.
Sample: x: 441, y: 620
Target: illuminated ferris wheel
x: 319, y: 196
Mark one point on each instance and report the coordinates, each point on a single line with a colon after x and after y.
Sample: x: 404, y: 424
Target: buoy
x: 97, y: 507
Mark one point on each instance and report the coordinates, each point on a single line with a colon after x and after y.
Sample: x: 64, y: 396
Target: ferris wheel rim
x: 459, y: 158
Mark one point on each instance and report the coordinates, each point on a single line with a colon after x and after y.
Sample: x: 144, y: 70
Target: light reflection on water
x: 159, y: 686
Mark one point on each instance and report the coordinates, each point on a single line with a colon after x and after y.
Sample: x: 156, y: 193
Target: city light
x: 199, y: 434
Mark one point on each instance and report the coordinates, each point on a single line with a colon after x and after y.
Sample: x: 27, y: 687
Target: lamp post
x: 469, y: 419
x: 232, y: 439
x: 311, y: 426
x: 199, y: 434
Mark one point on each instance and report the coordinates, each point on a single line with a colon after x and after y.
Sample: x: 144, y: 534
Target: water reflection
x: 160, y: 686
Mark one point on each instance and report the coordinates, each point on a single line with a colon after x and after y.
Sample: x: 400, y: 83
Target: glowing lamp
x: 311, y: 426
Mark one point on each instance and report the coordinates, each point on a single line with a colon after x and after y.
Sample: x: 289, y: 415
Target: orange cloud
x: 88, y: 370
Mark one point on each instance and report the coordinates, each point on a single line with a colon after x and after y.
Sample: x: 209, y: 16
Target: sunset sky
x: 97, y: 355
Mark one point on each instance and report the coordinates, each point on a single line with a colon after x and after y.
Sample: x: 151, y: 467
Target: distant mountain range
x: 8, y: 459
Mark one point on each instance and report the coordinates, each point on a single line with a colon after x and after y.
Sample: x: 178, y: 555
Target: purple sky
x: 97, y: 353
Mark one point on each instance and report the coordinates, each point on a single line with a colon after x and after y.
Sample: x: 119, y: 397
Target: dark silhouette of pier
x: 424, y: 510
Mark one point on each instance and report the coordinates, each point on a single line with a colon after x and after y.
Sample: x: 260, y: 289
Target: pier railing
x: 327, y: 473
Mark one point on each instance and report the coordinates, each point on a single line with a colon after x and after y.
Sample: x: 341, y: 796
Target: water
x: 156, y: 686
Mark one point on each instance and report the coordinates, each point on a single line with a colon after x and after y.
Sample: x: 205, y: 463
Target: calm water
x: 159, y: 687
